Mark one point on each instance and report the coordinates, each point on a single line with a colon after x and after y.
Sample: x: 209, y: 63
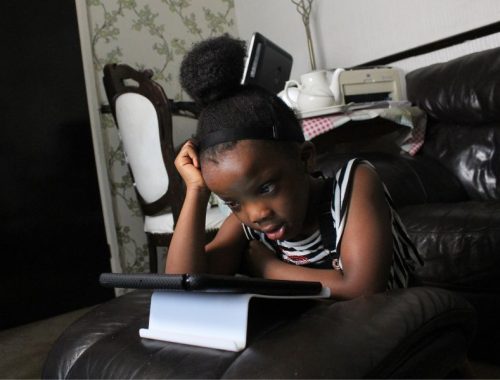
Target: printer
x: 370, y: 84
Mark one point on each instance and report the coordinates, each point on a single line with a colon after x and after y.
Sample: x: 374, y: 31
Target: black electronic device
x: 267, y: 65
x: 209, y: 283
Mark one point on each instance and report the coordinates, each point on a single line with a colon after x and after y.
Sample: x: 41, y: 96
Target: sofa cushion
x: 471, y: 154
x: 462, y: 98
x: 462, y: 91
x: 458, y: 242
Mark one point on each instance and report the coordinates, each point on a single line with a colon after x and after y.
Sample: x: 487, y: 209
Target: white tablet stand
x: 206, y: 319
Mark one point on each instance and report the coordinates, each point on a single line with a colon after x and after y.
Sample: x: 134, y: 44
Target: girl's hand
x: 188, y: 165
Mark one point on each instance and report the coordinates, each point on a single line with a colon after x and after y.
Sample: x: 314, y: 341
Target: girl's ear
x: 308, y: 156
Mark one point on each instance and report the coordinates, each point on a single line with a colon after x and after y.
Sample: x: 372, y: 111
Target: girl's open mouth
x: 276, y: 234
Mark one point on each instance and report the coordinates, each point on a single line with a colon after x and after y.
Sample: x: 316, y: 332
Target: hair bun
x: 213, y: 68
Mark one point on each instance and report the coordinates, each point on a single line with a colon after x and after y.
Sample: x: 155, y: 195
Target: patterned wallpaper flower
x: 153, y: 34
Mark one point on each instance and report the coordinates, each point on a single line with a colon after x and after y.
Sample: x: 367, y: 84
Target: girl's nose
x: 257, y: 212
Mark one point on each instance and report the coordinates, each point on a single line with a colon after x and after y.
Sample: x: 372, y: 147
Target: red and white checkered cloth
x: 412, y: 118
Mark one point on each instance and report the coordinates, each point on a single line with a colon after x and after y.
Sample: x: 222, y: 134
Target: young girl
x: 286, y: 223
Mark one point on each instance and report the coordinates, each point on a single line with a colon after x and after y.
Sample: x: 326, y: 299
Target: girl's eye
x: 267, y: 188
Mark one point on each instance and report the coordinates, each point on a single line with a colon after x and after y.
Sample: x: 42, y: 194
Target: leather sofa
x: 460, y: 236
x: 447, y: 195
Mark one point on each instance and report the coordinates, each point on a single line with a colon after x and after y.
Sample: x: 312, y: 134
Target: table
x: 401, y: 128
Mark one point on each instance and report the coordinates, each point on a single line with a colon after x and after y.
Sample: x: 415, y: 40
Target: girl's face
x: 267, y: 189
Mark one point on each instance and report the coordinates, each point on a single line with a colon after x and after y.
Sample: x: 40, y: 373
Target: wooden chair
x: 143, y: 115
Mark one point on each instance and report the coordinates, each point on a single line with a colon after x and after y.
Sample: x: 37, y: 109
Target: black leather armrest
x: 418, y: 332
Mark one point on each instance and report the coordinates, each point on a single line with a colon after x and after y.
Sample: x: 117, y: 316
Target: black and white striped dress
x: 311, y: 252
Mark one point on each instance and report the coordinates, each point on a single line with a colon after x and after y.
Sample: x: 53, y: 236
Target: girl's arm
x: 187, y: 252
x: 366, y: 246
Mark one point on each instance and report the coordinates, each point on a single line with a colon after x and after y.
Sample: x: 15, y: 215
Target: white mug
x: 313, y: 92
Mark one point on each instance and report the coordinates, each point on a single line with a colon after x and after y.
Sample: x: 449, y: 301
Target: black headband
x: 274, y: 132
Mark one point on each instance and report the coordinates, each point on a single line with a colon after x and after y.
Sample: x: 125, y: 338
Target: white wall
x: 351, y: 32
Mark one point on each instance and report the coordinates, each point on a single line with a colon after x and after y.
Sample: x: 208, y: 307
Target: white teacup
x: 313, y: 92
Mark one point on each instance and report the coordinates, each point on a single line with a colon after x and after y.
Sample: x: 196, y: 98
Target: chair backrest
x: 143, y: 116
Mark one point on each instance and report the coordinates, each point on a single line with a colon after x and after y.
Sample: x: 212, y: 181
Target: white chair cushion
x: 162, y: 224
x: 138, y: 126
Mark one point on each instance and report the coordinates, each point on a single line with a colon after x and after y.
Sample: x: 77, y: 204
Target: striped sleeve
x: 341, y: 196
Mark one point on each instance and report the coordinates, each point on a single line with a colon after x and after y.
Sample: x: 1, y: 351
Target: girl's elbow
x: 349, y: 290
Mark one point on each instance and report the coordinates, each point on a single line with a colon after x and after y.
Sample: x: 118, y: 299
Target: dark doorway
x: 53, y: 241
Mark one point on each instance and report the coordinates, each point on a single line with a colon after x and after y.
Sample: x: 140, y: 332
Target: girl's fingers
x: 193, y: 153
x: 188, y: 164
x: 188, y: 151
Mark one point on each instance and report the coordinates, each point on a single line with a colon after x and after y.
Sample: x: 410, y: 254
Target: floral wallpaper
x: 151, y: 34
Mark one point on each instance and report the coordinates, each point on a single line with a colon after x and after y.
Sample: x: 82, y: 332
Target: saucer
x: 321, y: 111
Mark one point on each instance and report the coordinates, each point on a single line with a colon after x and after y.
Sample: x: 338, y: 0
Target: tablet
x: 267, y: 65
x: 209, y: 283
